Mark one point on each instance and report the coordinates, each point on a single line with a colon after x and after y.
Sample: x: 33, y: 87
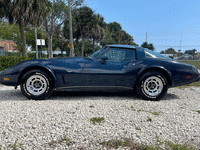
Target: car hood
x: 43, y: 62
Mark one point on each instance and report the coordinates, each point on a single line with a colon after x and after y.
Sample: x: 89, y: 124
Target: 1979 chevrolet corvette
x: 112, y: 67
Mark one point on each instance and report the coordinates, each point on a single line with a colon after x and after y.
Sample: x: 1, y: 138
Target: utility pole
x: 181, y: 38
x: 146, y: 36
x: 36, y: 43
x: 70, y: 30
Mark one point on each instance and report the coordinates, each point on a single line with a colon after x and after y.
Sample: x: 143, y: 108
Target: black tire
x: 37, y: 85
x: 152, y: 85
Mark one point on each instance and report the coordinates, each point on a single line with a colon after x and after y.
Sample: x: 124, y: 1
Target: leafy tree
x: 57, y: 14
x: 170, y: 51
x: 162, y: 52
x: 125, y: 38
x: 30, y: 37
x: 191, y: 52
x: 86, y: 22
x: 98, y: 31
x: 115, y: 29
x: 10, y: 32
x: 61, y: 42
x: 23, y: 12
x: 115, y: 35
x: 149, y: 46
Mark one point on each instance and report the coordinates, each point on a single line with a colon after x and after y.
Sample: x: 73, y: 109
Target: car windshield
x: 152, y: 54
x: 97, y: 53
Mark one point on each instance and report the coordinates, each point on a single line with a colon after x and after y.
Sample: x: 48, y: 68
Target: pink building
x: 7, y: 46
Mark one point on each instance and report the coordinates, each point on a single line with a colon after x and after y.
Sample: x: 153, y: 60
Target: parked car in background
x: 114, y: 67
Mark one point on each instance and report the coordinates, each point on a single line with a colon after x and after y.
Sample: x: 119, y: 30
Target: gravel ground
x: 29, y: 124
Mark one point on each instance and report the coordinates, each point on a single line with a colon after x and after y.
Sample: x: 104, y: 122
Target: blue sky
x: 163, y: 20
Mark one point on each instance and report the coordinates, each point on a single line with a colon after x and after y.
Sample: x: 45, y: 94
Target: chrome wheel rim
x: 153, y: 86
x: 36, y: 85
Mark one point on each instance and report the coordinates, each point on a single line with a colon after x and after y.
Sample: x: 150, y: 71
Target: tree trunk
x: 83, y: 45
x: 50, y: 51
x: 77, y: 45
x: 62, y: 51
x: 93, y: 43
x: 23, y: 38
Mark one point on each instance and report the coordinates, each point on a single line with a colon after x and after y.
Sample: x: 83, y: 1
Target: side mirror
x: 103, y: 59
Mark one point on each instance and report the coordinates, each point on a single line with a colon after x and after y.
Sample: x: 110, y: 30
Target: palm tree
x: 86, y: 21
x: 98, y: 32
x: 23, y: 12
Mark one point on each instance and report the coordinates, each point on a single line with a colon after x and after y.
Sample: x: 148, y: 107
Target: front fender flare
x: 36, y: 67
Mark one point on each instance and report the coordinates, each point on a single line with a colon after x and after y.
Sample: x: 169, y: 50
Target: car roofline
x: 122, y: 46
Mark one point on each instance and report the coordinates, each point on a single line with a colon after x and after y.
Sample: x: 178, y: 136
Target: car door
x: 118, y: 71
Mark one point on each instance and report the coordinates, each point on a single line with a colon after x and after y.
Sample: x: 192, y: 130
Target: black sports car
x: 112, y: 67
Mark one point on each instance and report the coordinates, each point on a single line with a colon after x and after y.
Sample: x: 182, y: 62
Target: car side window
x: 119, y: 55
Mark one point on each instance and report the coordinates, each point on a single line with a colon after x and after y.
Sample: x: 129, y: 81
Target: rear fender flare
x: 155, y: 68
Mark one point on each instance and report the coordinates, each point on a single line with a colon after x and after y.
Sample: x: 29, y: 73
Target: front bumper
x: 9, y: 80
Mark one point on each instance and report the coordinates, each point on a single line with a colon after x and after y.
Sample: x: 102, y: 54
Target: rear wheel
x: 152, y: 85
x: 36, y: 84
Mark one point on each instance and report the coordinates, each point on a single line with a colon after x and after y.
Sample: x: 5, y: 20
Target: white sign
x: 40, y: 42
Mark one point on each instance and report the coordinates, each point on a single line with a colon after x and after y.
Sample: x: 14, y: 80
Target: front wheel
x: 36, y: 84
x: 152, y: 86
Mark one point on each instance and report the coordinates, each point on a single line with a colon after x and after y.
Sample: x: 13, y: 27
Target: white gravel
x: 35, y: 124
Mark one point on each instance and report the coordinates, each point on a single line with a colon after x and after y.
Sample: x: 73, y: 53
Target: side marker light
x: 188, y: 77
x: 6, y: 79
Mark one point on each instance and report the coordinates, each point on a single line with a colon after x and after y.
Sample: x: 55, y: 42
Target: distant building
x: 7, y: 46
x: 169, y: 55
x: 197, y: 56
x: 186, y: 57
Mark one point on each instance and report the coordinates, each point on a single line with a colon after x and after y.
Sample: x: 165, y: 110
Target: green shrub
x: 8, y: 61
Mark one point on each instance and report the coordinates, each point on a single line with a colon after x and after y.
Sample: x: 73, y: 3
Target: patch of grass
x: 197, y: 84
x: 149, y: 119
x: 139, y: 110
x: 97, y: 119
x: 64, y: 139
x: 91, y: 106
x: 137, y: 128
x: 130, y: 144
x: 183, y: 87
x: 158, y: 141
x: 82, y: 148
x: 16, y: 145
x: 198, y: 111
x: 178, y: 146
x: 51, y: 143
x: 116, y: 143
x: 195, y: 63
x: 155, y: 113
